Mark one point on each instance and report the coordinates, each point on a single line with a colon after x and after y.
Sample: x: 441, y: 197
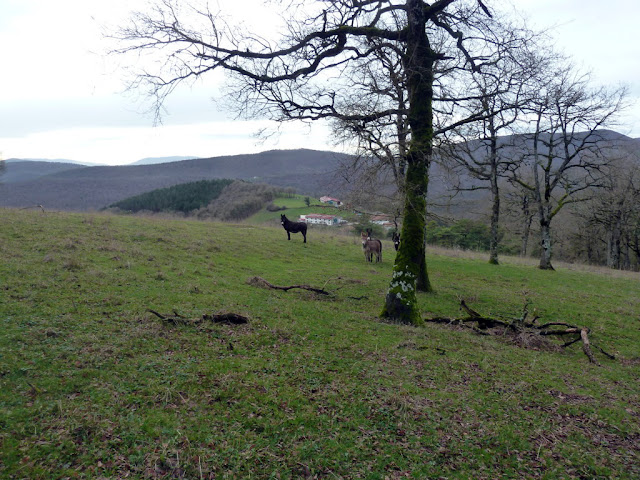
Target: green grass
x: 94, y: 386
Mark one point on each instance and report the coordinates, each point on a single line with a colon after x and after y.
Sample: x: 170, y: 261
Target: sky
x: 61, y: 97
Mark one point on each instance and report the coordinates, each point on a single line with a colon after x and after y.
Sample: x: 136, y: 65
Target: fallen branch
x: 175, y: 320
x: 34, y: 206
x: 555, y: 324
x: 521, y: 329
x: 568, y: 331
x: 585, y: 345
x: 612, y: 357
x: 483, y: 322
x: 226, y: 318
x: 261, y: 282
x: 570, y: 342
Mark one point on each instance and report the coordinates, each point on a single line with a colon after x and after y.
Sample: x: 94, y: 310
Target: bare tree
x: 565, y: 156
x: 610, y: 218
x: 305, y: 75
x: 476, y: 149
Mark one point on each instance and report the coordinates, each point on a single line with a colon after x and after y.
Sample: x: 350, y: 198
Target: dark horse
x: 395, y: 237
x: 294, y: 227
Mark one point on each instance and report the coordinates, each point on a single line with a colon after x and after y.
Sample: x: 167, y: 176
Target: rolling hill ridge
x: 76, y: 188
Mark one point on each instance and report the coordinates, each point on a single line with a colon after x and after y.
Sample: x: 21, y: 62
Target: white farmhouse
x: 320, y: 219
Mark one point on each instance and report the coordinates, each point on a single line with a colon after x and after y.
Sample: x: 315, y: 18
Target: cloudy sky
x: 60, y: 97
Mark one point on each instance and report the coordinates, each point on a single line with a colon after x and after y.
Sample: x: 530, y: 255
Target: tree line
x: 586, y: 210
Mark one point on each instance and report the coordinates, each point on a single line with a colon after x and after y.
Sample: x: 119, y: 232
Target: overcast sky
x: 61, y: 98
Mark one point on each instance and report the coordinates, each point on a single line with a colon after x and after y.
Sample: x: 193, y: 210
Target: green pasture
x: 93, y: 385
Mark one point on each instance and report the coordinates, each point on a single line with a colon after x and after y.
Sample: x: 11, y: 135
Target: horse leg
x: 288, y: 235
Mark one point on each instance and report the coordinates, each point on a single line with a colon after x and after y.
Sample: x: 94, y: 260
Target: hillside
x: 94, y: 385
x: 81, y: 189
x: 154, y: 160
x: 28, y: 170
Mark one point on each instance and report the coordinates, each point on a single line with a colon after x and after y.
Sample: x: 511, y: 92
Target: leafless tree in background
x: 611, y: 218
x: 565, y: 155
x: 476, y: 149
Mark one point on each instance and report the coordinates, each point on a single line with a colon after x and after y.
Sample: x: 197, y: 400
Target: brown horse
x: 371, y: 247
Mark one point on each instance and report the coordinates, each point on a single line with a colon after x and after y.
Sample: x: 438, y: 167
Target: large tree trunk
x: 401, y: 302
x: 545, y: 243
x: 542, y: 193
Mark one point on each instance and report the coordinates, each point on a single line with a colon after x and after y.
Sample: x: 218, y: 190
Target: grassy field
x: 95, y: 386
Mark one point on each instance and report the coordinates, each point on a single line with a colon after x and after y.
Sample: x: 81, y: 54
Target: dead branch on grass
x: 225, y: 318
x: 34, y: 206
x: 521, y: 328
x: 261, y: 282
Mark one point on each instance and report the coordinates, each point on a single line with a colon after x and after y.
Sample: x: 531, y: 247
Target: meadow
x: 93, y: 385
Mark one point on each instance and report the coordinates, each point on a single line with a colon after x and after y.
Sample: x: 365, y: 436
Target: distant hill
x: 156, y: 160
x: 47, y: 160
x: 28, y: 170
x: 91, y: 188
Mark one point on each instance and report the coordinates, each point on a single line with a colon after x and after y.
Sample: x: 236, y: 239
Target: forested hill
x: 86, y: 188
x: 184, y: 198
